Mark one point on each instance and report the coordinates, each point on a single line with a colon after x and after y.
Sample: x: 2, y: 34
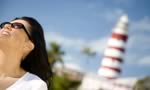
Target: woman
x: 23, y: 57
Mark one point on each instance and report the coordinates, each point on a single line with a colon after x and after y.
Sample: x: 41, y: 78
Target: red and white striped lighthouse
x: 114, y: 52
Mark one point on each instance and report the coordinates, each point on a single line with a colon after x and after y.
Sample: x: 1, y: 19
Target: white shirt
x: 28, y: 82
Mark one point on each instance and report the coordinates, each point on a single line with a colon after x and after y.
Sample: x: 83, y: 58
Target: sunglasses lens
x: 17, y: 25
x: 13, y: 25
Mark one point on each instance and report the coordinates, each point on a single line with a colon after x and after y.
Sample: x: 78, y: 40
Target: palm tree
x: 59, y: 82
x: 55, y: 53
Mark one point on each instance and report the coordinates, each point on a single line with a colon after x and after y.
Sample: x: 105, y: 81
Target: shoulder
x: 36, y: 83
x: 29, y: 82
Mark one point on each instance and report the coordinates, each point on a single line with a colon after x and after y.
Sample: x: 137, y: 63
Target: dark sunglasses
x: 16, y: 25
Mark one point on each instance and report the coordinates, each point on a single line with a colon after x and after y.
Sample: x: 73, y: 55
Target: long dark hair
x: 36, y: 61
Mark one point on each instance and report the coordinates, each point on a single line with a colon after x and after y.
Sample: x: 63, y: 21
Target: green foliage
x: 143, y: 84
x: 59, y: 82
x: 88, y: 51
x: 63, y: 83
x: 55, y: 53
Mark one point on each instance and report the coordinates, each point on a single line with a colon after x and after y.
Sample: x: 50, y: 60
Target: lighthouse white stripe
x: 108, y: 72
x: 120, y: 31
x: 113, y: 53
x: 122, y: 25
x: 111, y: 63
x: 116, y: 43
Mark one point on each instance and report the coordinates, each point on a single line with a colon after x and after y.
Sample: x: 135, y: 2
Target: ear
x: 29, y: 46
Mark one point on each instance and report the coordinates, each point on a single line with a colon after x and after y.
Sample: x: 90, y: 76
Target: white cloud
x: 145, y: 60
x: 112, y: 14
x: 73, y: 66
x: 143, y: 24
x: 77, y: 43
x: 62, y: 40
x: 98, y: 45
x: 139, y: 36
x: 139, y: 44
x: 139, y: 41
x: 69, y: 57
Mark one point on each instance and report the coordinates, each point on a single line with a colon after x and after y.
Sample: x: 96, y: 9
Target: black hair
x: 36, y: 61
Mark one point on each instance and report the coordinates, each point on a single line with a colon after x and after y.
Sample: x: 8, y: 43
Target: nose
x: 7, y: 26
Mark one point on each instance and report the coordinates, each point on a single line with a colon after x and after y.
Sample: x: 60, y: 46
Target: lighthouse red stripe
x: 120, y: 36
x: 111, y: 68
x: 111, y: 77
x: 114, y: 58
x: 118, y: 48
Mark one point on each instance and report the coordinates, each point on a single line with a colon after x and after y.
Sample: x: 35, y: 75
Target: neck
x: 10, y: 65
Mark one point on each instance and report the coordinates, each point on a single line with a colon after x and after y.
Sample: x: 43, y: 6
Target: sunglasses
x: 16, y: 25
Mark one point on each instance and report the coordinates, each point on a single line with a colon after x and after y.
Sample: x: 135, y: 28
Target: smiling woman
x: 23, y: 58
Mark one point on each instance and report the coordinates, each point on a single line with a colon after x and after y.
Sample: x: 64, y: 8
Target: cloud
x: 70, y: 57
x: 139, y: 33
x: 73, y: 66
x: 98, y: 45
x: 139, y: 45
x: 62, y: 40
x: 143, y: 24
x: 139, y: 41
x: 145, y: 61
x: 76, y: 43
x: 112, y: 14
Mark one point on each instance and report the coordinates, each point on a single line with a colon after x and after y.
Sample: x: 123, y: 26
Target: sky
x: 76, y: 24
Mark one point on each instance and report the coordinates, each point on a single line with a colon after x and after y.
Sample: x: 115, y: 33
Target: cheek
x: 18, y: 37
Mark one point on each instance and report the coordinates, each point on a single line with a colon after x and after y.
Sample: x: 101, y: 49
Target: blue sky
x: 75, y: 24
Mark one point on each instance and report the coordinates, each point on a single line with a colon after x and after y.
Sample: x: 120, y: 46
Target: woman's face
x: 13, y: 34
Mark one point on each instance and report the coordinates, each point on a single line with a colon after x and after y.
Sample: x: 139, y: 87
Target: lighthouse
x: 114, y: 52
